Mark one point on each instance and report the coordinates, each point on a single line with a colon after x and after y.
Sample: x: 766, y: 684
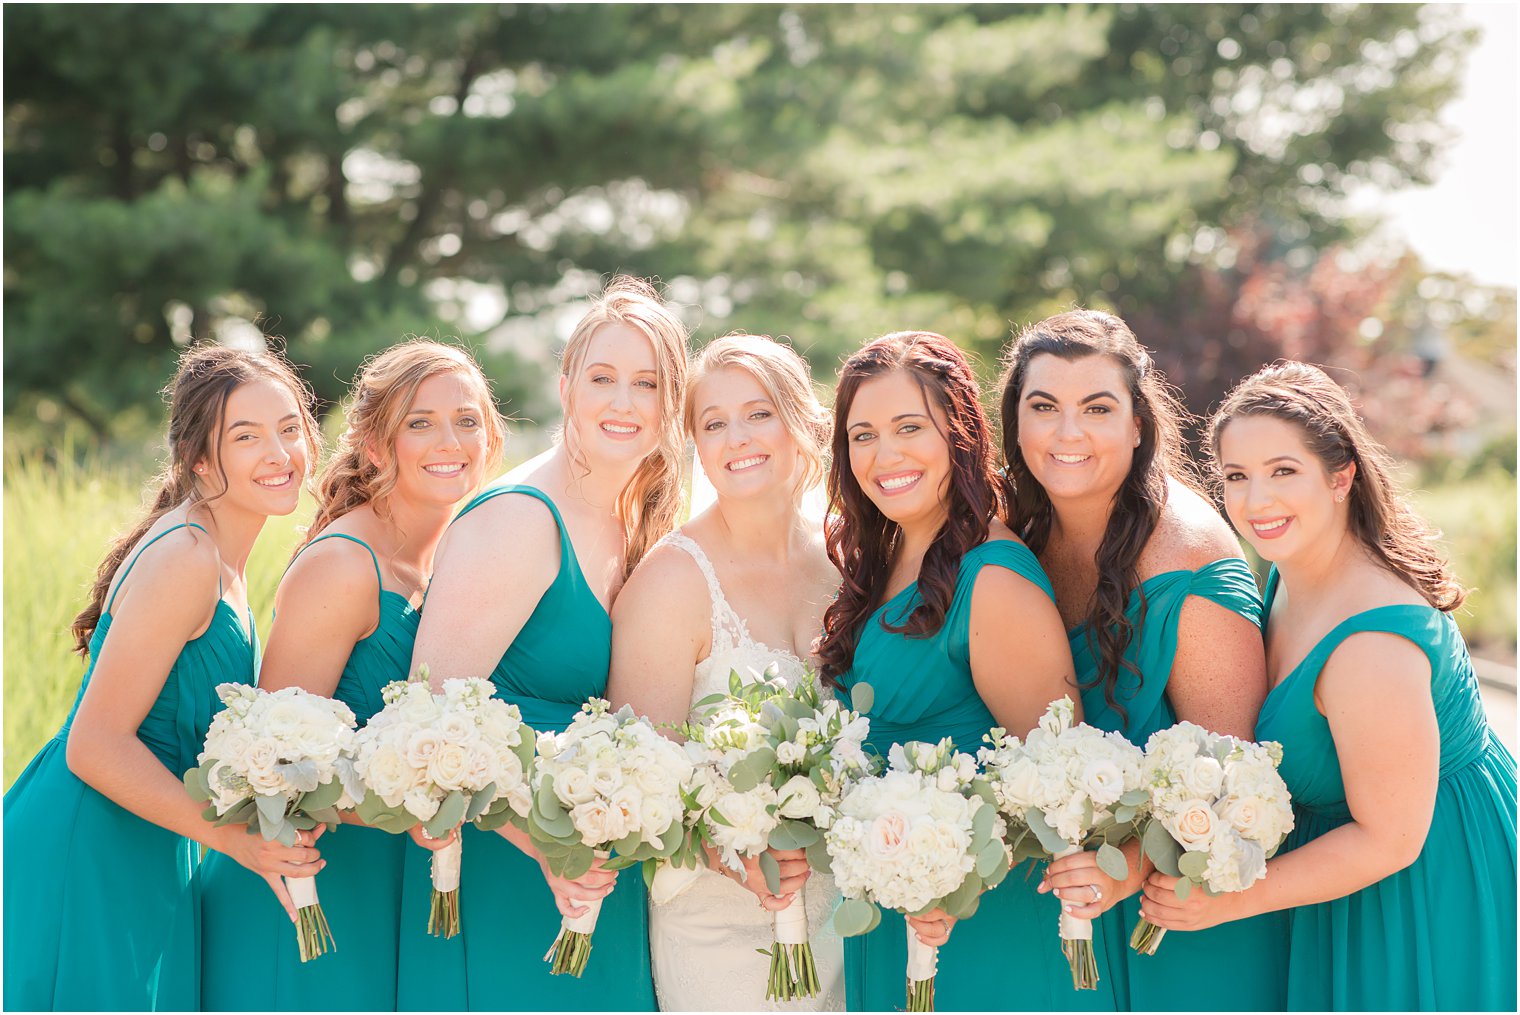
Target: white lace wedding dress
x: 704, y: 928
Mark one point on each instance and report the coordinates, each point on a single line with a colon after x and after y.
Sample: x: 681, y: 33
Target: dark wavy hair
x: 1137, y: 505
x: 1379, y: 515
x: 861, y: 540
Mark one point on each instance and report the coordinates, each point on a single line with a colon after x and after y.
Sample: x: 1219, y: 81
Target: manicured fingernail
x: 1066, y: 909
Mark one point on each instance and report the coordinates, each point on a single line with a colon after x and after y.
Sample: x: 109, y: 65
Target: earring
x: 1340, y: 497
x: 200, y: 470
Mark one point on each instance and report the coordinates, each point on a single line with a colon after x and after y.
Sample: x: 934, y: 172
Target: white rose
x: 886, y: 836
x: 606, y: 778
x: 456, y: 727
x: 799, y: 798
x: 1203, y: 777
x: 420, y: 804
x: 625, y: 807
x: 260, y: 757
x: 1103, y: 782
x: 592, y: 819
x: 520, y: 799
x: 421, y: 747
x: 789, y: 753
x: 1193, y: 825
x: 418, y: 705
x: 449, y: 765
x: 655, y: 817
x: 573, y: 787
x: 388, y: 775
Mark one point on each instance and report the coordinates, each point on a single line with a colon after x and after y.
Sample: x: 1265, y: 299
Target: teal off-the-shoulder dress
x: 1439, y: 934
x: 507, y: 914
x: 999, y: 959
x: 1237, y: 966
x: 249, y: 957
x: 100, y: 905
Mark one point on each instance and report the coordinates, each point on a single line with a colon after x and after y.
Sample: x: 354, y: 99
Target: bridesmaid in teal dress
x: 524, y: 579
x: 1399, y: 877
x: 422, y: 431
x: 101, y: 840
x: 1163, y: 615
x: 930, y: 579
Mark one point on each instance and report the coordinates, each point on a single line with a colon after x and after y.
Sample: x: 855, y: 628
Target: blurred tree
x: 343, y: 175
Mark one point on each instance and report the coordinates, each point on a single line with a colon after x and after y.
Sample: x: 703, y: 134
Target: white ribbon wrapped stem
x: 923, y: 960
x: 303, y: 891
x: 791, y: 923
x: 586, y: 922
x: 446, y: 863
x: 1073, y: 928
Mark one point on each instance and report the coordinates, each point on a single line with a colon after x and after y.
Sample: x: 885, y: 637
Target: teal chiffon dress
x: 100, y: 905
x: 1439, y: 934
x: 1240, y: 966
x: 1008, y: 955
x: 249, y: 957
x: 507, y: 915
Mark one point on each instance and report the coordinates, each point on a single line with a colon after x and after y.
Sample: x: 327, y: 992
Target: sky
x: 1467, y: 221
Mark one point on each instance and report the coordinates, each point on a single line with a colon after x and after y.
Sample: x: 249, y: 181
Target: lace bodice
x: 732, y: 647
x: 703, y: 928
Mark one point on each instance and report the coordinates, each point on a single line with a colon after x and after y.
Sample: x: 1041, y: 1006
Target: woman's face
x: 440, y: 448
x: 1077, y: 426
x: 262, y: 450
x: 1277, y: 492
x: 743, y: 445
x: 612, y: 403
x: 898, y: 452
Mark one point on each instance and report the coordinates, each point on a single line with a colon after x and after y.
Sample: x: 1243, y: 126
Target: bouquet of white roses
x: 775, y: 763
x: 439, y: 760
x: 610, y: 783
x: 1219, y: 810
x: 280, y: 762
x: 1068, y: 787
x: 923, y: 835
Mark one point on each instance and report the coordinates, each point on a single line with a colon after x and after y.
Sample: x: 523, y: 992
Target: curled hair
x: 206, y: 377
x: 785, y: 378
x: 1378, y: 514
x: 862, y: 541
x: 651, y: 500
x: 381, y: 397
x: 1137, y: 505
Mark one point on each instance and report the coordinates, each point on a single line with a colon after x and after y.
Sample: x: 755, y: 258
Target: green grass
x: 59, y: 518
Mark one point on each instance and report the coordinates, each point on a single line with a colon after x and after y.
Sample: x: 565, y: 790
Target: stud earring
x: 1340, y: 497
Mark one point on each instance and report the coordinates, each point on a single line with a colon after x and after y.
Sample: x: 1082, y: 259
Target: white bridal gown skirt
x: 703, y: 941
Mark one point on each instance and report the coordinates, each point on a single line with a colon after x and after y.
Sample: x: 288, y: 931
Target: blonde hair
x: 784, y: 376
x: 197, y: 396
x: 382, y: 394
x: 651, y: 500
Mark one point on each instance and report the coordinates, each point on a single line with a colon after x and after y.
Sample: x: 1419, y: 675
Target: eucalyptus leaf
x: 854, y: 917
x: 1193, y: 864
x: 982, y: 823
x: 271, y: 815
x: 1135, y: 797
x: 286, y: 834
x: 1163, y: 850
x: 450, y: 813
x: 772, y: 871
x: 991, y: 857
x: 1113, y: 862
x: 1051, y: 842
x: 964, y: 897
x: 195, y: 785
x: 651, y: 867
x: 324, y: 795
x: 578, y: 863
x: 998, y: 874
x: 818, y: 857
x: 210, y: 814
x: 480, y: 801
x: 1184, y: 889
x: 1124, y: 814
x: 862, y: 697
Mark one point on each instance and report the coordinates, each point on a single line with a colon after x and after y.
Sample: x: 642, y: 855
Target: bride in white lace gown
x: 742, y: 586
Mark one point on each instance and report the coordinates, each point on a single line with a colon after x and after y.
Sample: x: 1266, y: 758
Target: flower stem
x: 443, y: 915
x: 921, y: 995
x: 1147, y: 937
x: 569, y: 953
x: 313, y: 935
x: 1084, y: 966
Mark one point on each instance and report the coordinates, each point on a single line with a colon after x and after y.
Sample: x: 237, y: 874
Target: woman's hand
x: 570, y: 894
x: 1084, y: 890
x: 1198, y: 911
x: 933, y: 928
x: 272, y: 861
x: 422, y: 838
x: 794, y: 874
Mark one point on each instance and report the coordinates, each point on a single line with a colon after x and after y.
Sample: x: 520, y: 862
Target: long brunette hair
x: 197, y: 396
x: 1136, y: 507
x: 1379, y: 515
x: 861, y: 540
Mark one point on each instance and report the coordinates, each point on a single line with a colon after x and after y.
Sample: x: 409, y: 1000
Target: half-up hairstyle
x: 649, y: 503
x: 1378, y: 515
x: 197, y: 396
x: 1137, y: 506
x: 787, y: 382
x: 862, y: 541
x: 382, y: 395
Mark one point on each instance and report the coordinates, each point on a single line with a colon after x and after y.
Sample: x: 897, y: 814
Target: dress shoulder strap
x: 122, y: 577
x: 1229, y: 583
x: 1010, y: 554
x: 724, y: 621
x: 352, y: 539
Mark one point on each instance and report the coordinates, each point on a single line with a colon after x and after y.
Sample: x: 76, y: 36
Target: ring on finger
x: 1097, y: 894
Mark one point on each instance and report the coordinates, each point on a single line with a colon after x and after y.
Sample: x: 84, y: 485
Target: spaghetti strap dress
x: 1240, y: 966
x: 1439, y: 934
x: 507, y: 914
x: 249, y: 957
x: 101, y: 906
x: 999, y: 958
